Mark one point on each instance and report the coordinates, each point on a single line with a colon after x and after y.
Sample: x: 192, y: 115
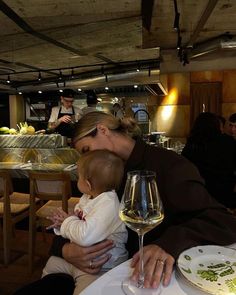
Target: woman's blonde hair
x: 102, y: 168
x: 87, y: 125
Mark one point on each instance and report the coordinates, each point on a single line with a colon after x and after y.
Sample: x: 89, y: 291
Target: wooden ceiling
x: 99, y: 37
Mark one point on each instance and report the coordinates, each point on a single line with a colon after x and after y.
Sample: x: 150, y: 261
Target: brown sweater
x: 192, y: 216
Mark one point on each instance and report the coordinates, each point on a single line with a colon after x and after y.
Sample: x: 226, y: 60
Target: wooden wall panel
x: 229, y: 86
x: 174, y: 120
x: 206, y: 76
x: 228, y: 109
x: 178, y: 90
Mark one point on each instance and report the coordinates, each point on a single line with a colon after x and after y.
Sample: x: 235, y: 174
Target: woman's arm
x: 81, y: 257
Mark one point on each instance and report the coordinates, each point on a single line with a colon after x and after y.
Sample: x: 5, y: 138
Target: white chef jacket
x: 55, y: 111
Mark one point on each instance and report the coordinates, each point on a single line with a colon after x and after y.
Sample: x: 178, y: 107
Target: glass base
x: 130, y: 288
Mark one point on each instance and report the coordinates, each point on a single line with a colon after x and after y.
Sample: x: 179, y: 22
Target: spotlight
x: 8, y: 79
x: 20, y: 92
x: 79, y: 89
x: 176, y: 21
x: 179, y: 42
x: 135, y: 86
x: 106, y: 88
x: 72, y: 74
x: 60, y: 75
x: 185, y: 58
x: 61, y: 90
x: 40, y: 92
x: 138, y: 68
x: 39, y: 77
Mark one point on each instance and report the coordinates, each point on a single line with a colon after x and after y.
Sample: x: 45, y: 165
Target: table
x: 110, y: 283
x: 20, y: 170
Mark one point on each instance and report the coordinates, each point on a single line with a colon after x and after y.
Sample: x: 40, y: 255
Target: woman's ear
x: 102, y: 129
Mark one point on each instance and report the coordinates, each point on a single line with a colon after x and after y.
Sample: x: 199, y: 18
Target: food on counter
x: 42, y: 131
x: 12, y: 131
x: 24, y: 128
x: 4, y: 130
x: 30, y: 130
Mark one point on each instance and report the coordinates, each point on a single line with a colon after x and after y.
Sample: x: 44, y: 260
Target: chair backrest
x: 6, y: 189
x: 5, y: 182
x: 50, y: 186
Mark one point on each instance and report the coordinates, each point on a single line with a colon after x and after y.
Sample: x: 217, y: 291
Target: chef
x: 63, y: 117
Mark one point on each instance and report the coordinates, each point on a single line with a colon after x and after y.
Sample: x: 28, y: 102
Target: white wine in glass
x: 141, y: 210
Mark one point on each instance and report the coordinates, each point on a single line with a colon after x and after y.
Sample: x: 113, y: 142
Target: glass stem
x: 141, y: 264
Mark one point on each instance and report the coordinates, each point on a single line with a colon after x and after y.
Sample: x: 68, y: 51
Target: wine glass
x: 141, y: 210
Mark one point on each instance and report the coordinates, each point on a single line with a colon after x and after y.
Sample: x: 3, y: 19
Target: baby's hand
x: 57, y: 217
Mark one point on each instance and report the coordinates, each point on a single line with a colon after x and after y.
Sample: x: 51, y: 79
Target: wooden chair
x: 14, y: 207
x: 54, y: 191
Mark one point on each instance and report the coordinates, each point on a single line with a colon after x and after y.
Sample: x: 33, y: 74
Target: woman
x: 214, y: 154
x: 192, y: 216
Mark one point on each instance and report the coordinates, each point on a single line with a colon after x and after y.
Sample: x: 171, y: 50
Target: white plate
x: 212, y: 269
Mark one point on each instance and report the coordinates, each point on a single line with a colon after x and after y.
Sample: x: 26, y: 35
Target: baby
x: 96, y: 216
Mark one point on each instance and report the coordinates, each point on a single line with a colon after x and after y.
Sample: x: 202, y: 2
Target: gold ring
x: 162, y: 262
x: 91, y: 264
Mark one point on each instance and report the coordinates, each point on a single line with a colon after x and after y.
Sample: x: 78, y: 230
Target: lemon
x: 30, y: 130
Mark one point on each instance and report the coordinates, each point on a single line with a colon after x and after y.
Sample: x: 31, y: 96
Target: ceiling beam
x: 202, y: 21
x: 28, y: 29
x: 23, y: 65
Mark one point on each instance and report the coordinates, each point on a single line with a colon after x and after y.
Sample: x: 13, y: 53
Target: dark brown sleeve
x: 57, y: 245
x: 199, y: 219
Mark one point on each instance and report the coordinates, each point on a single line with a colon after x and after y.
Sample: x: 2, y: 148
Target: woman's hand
x: 85, y: 258
x: 158, y: 265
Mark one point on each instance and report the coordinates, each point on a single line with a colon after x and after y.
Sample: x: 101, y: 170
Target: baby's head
x: 99, y: 171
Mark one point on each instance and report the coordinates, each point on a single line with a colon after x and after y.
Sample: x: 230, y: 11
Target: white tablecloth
x: 110, y: 283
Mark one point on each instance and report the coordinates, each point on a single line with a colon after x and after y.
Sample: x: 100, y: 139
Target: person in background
x: 128, y: 112
x: 192, y: 216
x: 96, y: 215
x: 118, y: 111
x: 91, y: 101
x: 63, y: 117
x: 222, y: 124
x: 232, y: 125
x: 214, y: 154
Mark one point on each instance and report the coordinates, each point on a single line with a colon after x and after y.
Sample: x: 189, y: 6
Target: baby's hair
x: 102, y: 168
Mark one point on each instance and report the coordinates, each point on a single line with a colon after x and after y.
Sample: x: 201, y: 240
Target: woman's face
x: 98, y: 142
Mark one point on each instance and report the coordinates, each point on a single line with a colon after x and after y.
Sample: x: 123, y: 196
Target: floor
x: 16, y: 274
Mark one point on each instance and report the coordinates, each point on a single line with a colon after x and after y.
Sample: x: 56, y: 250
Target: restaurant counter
x: 33, y: 141
x: 20, y: 154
